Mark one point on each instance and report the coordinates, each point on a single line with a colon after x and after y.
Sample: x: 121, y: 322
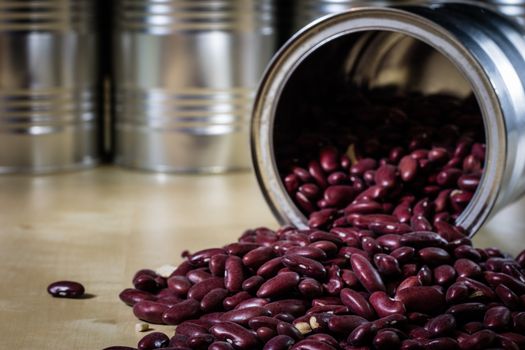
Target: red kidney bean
x: 263, y: 321
x: 357, y: 303
x: 240, y: 249
x: 311, y: 191
x: 318, y: 174
x: 294, y: 307
x: 233, y: 274
x: 251, y: 302
x: 418, y: 223
x: 304, y: 266
x: 409, y: 282
x: 200, y: 341
x: 508, y: 297
x: 199, y: 290
x: 444, y: 275
x: 467, y: 252
x: 213, y: 299
x: 291, y: 183
x: 424, y: 275
x: 386, y: 340
x: 370, y: 246
x: 518, y: 322
x: 520, y: 259
x: 242, y: 316
x: 403, y: 212
x: 441, y: 325
x: 457, y: 293
x: 385, y: 306
x: 468, y: 311
x: 150, y: 311
x: 434, y: 256
x: 279, y: 285
x: 181, y: 312
x: 308, y: 252
x: 408, y: 168
x: 280, y: 342
x: 132, y: 296
x: 235, y: 334
x: 257, y: 257
x: 236, y: 299
x: 310, y: 288
x: 442, y: 200
x: 409, y: 270
x: 364, y: 207
x: 362, y: 334
x: 190, y: 329
x: 421, y: 299
x: 366, y: 273
x: 467, y: 268
x: 423, y: 239
x: 153, y: 341
x: 345, y: 323
x: 386, y: 176
x: 304, y: 202
x: 198, y: 275
x: 284, y: 328
x: 216, y: 264
x: 403, y: 254
x: 66, y: 289
x: 328, y: 247
x: 387, y: 265
x: 270, y: 268
x: 339, y: 195
x: 497, y: 318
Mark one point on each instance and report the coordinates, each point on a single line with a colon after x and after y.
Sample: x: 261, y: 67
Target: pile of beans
x: 382, y: 265
x: 349, y: 288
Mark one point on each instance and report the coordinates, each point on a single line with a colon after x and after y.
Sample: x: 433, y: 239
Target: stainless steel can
x: 460, y: 48
x: 185, y: 77
x: 48, y: 77
x: 511, y: 8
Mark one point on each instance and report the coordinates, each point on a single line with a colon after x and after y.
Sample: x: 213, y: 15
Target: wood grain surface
x: 99, y: 226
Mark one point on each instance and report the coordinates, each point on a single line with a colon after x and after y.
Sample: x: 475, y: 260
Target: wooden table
x: 100, y: 226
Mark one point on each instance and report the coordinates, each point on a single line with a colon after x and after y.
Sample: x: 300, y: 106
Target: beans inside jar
x: 415, y: 160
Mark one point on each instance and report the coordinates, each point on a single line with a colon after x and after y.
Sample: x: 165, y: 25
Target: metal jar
x: 185, y: 76
x: 458, y: 47
x: 48, y: 92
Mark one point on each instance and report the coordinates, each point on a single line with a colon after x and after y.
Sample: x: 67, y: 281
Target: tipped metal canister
x: 185, y: 75
x: 48, y: 79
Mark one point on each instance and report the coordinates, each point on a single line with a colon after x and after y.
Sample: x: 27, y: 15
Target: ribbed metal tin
x: 512, y: 8
x: 458, y: 48
x: 185, y: 75
x: 48, y: 78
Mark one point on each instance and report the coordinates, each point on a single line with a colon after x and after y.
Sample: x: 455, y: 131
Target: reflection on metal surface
x: 47, y: 85
x: 185, y: 78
